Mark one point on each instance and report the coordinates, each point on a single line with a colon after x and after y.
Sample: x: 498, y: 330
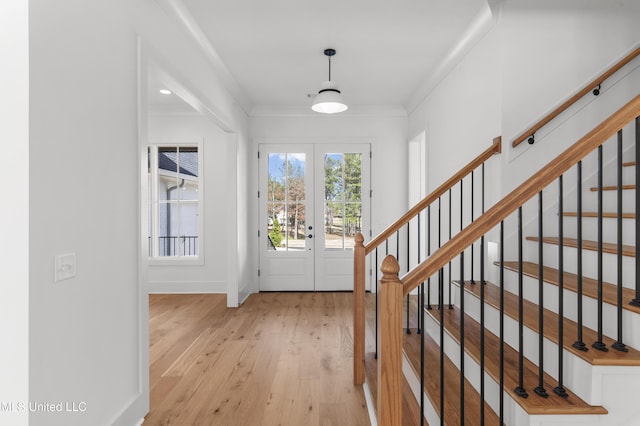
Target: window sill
x: 176, y: 261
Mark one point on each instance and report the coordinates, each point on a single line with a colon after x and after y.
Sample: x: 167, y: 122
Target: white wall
x: 385, y: 130
x: 210, y: 274
x: 534, y: 57
x: 14, y: 214
x: 550, y: 51
x: 86, y: 343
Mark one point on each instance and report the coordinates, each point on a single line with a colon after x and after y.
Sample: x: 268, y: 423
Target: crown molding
x: 481, y: 24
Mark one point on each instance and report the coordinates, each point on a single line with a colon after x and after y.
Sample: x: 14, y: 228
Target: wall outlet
x: 65, y: 267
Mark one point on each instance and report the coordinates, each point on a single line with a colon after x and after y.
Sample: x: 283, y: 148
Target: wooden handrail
x: 522, y: 194
x: 588, y: 88
x: 495, y: 148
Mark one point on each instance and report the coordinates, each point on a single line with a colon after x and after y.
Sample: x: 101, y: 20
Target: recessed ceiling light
x: 165, y: 91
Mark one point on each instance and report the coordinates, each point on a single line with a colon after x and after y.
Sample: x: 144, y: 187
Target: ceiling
x: 385, y: 49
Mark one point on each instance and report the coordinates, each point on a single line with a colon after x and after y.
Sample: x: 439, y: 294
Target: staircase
x: 546, y: 331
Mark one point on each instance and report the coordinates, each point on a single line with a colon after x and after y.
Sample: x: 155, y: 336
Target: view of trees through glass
x: 286, y: 201
x: 342, y: 204
x: 342, y: 200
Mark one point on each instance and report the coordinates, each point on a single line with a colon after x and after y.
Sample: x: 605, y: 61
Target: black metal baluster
x: 501, y: 379
x: 408, y: 267
x: 619, y: 345
x: 579, y: 344
x: 461, y: 313
x: 472, y: 281
x: 482, y: 281
x: 449, y: 281
x: 422, y: 367
x: 440, y: 244
x: 520, y: 390
x: 377, y: 290
x: 559, y: 390
x: 599, y: 344
x: 540, y: 390
x: 421, y: 287
x: 441, y: 304
x: 482, y: 330
x: 428, y: 254
x: 636, y: 299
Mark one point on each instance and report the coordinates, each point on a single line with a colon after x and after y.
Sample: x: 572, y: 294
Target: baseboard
x: 133, y: 413
x: 187, y: 287
x: 369, y: 400
x: 244, y: 294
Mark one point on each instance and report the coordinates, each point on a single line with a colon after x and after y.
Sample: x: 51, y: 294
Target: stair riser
x: 609, y: 229
x: 589, y: 263
x: 577, y: 373
x: 609, y: 201
x: 631, y: 320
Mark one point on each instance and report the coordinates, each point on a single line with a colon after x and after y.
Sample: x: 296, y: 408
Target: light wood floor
x: 279, y: 359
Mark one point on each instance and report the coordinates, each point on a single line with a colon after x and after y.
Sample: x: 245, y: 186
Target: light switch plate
x: 65, y: 267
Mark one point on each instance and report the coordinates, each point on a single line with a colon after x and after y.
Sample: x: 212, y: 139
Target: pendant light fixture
x: 329, y: 100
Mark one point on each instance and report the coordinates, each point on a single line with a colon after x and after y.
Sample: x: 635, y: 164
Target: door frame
x: 335, y: 145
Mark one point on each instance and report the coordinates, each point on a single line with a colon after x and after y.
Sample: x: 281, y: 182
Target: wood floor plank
x: 280, y: 359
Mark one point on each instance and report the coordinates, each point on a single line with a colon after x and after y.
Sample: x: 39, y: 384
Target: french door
x: 314, y: 198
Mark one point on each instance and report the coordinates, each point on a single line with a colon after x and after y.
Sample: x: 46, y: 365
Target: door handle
x: 310, y: 236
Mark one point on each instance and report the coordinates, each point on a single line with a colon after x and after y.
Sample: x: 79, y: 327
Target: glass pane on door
x: 286, y: 201
x: 342, y: 200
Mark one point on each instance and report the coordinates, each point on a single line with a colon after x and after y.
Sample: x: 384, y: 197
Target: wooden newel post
x: 358, y: 310
x: 390, y: 352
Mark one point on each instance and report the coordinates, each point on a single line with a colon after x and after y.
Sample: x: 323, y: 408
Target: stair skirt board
x: 373, y: 419
x: 413, y: 378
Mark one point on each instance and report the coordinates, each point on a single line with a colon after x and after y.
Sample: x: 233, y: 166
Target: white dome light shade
x: 329, y: 100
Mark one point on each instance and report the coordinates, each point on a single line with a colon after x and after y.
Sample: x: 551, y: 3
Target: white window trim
x: 176, y: 260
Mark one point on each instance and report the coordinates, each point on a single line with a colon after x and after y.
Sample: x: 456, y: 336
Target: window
x: 174, y: 201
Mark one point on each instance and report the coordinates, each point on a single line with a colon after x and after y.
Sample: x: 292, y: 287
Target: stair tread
x: 410, y: 407
x: 534, y: 404
x: 530, y: 320
x: 629, y: 164
x: 611, y: 248
x: 612, y: 187
x: 589, y: 285
x: 452, y: 384
x: 606, y: 215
